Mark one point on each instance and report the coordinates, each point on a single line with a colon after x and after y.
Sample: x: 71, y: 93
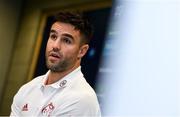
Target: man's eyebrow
x: 53, y: 31
x: 68, y: 35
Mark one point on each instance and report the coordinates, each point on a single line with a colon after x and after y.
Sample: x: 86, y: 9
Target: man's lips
x: 54, y: 55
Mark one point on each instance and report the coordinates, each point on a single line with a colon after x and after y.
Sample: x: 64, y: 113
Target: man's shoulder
x: 82, y: 86
x: 28, y: 87
x: 35, y: 81
x: 80, y: 91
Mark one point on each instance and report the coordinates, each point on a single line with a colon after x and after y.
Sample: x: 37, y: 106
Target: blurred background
x: 140, y: 70
x: 24, y: 28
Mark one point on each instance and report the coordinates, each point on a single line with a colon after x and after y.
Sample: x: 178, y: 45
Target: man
x: 62, y: 91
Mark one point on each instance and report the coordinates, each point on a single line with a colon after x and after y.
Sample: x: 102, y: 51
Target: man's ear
x: 83, y: 50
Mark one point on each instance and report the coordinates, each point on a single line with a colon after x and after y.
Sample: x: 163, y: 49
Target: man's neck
x: 56, y: 76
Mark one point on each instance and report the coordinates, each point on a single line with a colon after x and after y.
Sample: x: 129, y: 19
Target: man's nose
x: 56, y: 45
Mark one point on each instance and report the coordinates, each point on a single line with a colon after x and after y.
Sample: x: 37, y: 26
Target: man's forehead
x: 63, y: 26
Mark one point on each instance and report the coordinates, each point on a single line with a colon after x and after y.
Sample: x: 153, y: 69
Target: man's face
x: 63, y: 50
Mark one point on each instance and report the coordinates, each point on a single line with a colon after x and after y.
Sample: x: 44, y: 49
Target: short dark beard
x: 57, y: 68
x: 60, y: 67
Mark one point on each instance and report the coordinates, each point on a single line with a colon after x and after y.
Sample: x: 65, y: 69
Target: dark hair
x: 80, y: 23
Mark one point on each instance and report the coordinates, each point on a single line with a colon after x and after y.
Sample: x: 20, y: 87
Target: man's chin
x: 52, y: 64
x: 54, y: 68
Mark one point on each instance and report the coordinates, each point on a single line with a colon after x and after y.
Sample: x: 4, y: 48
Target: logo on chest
x: 25, y: 107
x: 48, y: 109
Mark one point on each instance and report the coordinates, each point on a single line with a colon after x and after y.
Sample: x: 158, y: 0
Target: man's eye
x: 66, y: 40
x: 53, y: 36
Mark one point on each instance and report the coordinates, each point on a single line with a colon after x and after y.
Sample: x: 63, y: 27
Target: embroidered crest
x: 46, y: 111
